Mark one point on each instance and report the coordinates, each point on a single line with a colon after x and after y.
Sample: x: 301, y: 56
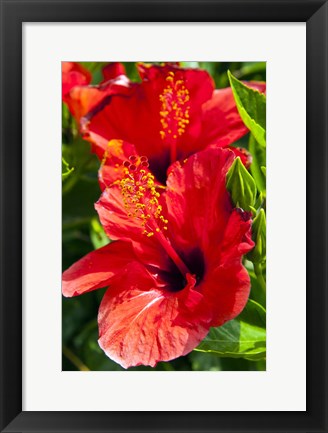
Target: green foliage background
x: 81, y: 233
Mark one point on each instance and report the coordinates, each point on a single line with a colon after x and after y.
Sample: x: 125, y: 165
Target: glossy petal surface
x: 141, y: 325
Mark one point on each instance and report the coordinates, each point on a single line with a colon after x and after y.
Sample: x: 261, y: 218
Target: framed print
x: 162, y: 164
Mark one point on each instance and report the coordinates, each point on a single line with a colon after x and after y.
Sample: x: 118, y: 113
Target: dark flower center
x: 175, y: 281
x: 159, y: 167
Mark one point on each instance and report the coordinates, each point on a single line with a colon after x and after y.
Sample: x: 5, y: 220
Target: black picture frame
x: 13, y: 14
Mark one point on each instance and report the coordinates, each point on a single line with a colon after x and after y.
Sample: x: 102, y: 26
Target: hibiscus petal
x: 73, y: 75
x: 199, y: 83
x: 226, y: 286
x: 113, y: 70
x: 221, y: 123
x: 226, y: 292
x: 82, y: 100
x: 244, y: 155
x: 141, y: 325
x: 119, y: 225
x: 114, y: 216
x: 237, y: 239
x: 111, y: 169
x: 97, y: 269
x: 127, y: 118
x: 198, y: 203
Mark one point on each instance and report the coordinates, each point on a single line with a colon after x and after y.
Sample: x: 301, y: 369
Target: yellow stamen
x: 174, y: 111
x: 140, y: 199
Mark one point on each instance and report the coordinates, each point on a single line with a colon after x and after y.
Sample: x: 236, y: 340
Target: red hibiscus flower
x: 73, y: 75
x: 174, y: 268
x: 80, y: 96
x: 171, y: 114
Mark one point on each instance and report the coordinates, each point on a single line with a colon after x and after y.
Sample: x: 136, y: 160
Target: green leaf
x: 243, y: 337
x: 241, y: 185
x: 258, y: 203
x: 257, y: 292
x: 258, y: 161
x: 66, y: 170
x: 258, y: 253
x: 251, y: 105
x: 97, y: 235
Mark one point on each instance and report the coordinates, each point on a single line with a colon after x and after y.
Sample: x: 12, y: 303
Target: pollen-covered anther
x: 140, y: 195
x: 175, y: 108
